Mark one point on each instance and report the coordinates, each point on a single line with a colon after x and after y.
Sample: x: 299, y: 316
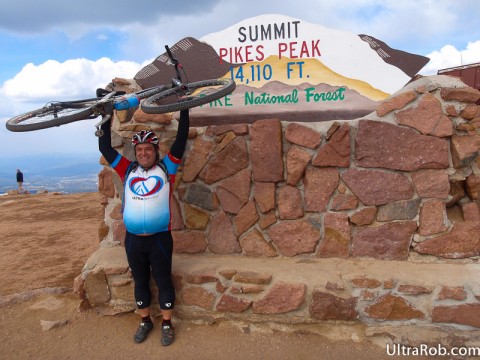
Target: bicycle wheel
x: 201, y: 93
x: 53, y: 114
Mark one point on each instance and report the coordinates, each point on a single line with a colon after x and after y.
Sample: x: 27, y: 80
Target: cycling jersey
x: 147, y: 195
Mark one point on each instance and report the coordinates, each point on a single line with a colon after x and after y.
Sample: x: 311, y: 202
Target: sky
x: 65, y: 49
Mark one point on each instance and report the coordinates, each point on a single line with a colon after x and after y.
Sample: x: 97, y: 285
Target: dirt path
x: 45, y: 241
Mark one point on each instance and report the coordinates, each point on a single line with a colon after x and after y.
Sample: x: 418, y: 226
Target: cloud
x: 36, y: 85
x: 81, y: 16
x: 51, y: 80
x: 145, y: 26
x: 409, y: 24
x: 73, y: 79
x: 449, y: 56
x: 102, y: 37
x: 139, y: 30
x: 418, y: 27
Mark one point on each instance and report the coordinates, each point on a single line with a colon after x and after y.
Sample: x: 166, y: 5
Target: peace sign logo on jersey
x: 146, y: 187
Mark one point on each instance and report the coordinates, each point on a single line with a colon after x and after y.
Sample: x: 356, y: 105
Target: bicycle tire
x: 153, y: 104
x: 52, y: 115
x: 61, y: 113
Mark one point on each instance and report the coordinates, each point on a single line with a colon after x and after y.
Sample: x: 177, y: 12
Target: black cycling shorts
x: 151, y: 253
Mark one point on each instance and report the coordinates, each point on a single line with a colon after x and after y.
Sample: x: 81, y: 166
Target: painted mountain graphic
x: 200, y: 61
x: 410, y: 64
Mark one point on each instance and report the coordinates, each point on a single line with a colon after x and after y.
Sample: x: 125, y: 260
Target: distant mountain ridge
x: 53, y: 172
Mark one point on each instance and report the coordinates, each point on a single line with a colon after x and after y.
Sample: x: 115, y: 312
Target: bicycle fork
x: 99, y: 131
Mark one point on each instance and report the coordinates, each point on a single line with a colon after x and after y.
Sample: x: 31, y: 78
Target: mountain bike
x: 179, y: 95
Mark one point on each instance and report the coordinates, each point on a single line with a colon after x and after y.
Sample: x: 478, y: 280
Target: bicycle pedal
x: 99, y: 133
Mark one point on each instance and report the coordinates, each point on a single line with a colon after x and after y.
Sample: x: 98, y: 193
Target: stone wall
x: 368, y: 227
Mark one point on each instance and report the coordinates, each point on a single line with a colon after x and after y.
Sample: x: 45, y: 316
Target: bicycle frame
x: 104, y: 107
x: 178, y: 81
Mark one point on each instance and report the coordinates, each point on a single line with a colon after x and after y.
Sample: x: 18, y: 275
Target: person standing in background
x: 19, y: 180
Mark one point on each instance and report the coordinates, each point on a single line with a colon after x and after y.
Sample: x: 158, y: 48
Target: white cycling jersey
x: 147, y: 194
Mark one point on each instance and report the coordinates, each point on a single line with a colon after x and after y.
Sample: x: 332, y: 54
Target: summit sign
x: 289, y: 69
x: 278, y: 32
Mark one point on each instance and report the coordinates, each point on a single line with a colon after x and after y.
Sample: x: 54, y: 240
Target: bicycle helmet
x: 144, y: 137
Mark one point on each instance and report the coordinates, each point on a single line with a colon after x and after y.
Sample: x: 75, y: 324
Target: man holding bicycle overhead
x: 148, y: 184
